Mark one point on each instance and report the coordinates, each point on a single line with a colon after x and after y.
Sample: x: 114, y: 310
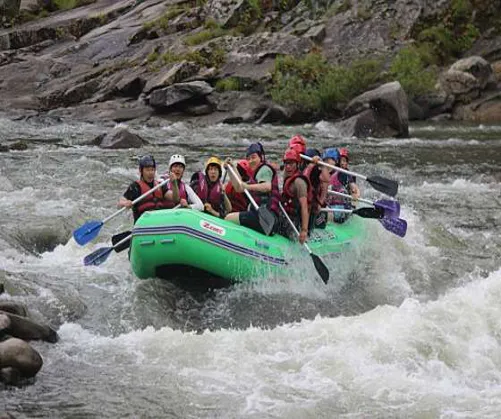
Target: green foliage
x: 312, y: 84
x: 229, y: 83
x: 71, y: 4
x: 152, y: 56
x: 409, y: 69
x: 212, y: 58
x: 336, y: 9
x: 205, y: 35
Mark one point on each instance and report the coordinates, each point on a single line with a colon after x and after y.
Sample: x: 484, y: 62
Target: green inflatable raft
x: 168, y: 240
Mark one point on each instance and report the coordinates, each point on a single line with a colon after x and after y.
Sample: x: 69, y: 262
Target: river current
x: 412, y: 329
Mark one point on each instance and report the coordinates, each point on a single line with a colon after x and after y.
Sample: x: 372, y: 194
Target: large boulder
x: 388, y: 114
x: 23, y: 328
x: 119, y: 138
x: 477, y: 67
x: 463, y: 86
x: 483, y: 110
x: 18, y: 361
x: 178, y: 93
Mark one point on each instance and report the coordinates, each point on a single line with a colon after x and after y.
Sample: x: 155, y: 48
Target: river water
x: 411, y: 329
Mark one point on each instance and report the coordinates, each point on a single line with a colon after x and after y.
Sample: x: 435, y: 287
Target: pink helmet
x: 291, y: 154
x: 298, y: 143
x: 343, y: 152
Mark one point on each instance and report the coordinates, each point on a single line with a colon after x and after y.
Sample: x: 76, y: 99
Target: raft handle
x: 147, y: 243
x: 166, y: 241
x: 262, y: 244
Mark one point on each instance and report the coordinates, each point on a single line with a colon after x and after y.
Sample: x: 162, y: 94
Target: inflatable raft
x: 168, y: 240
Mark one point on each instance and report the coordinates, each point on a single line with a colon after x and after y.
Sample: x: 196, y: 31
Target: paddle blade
x: 387, y: 186
x: 368, y: 212
x: 98, y: 256
x: 87, y: 232
x: 397, y: 226
x: 320, y: 267
x: 391, y: 208
x: 118, y: 238
x: 266, y: 219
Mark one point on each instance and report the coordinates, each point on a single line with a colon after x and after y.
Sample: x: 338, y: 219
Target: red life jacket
x: 209, y: 192
x: 316, y: 191
x: 182, y: 193
x: 238, y: 200
x: 151, y: 202
x: 290, y: 201
x: 273, y: 196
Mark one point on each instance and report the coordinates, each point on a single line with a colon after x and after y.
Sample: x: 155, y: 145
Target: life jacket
x: 238, y: 200
x: 209, y: 192
x: 182, y: 193
x: 271, y: 199
x: 151, y: 202
x: 316, y: 191
x: 337, y: 185
x: 290, y: 201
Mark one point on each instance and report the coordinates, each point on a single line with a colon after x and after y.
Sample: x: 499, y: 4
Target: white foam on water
x: 442, y: 355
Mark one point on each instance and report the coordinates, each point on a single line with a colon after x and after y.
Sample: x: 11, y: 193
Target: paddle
x: 100, y: 255
x: 387, y: 186
x: 90, y: 230
x: 397, y: 226
x: 322, y: 270
x: 391, y: 208
x: 365, y: 212
x: 266, y: 218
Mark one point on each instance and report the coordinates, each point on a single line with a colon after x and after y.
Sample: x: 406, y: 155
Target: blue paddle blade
x: 87, y: 232
x: 397, y: 226
x: 98, y: 256
x: 391, y: 208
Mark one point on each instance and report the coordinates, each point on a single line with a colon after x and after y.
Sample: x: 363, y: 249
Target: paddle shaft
x: 336, y: 168
x: 247, y: 193
x: 365, y: 201
x: 294, y: 227
x: 346, y: 211
x: 136, y: 200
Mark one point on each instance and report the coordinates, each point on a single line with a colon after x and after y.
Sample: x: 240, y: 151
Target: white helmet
x: 176, y: 158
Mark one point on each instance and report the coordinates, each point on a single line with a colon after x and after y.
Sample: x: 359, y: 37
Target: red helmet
x: 244, y: 165
x: 343, y: 152
x: 291, y: 154
x: 298, y: 143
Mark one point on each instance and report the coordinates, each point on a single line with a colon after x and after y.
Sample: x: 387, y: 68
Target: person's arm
x: 263, y: 178
x: 263, y: 187
x: 133, y: 192
x: 173, y: 193
x: 235, y: 178
x: 193, y: 200
x: 355, y: 191
x: 305, y: 217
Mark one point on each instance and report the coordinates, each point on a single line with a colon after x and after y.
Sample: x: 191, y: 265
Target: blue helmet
x: 255, y: 148
x: 331, y: 153
x: 147, y: 161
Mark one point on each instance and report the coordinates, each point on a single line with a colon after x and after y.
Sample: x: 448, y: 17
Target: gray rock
x: 224, y: 12
x: 477, y: 67
x: 463, y: 86
x: 390, y: 109
x: 120, y: 138
x: 18, y: 360
x: 175, y: 74
x: 26, y: 329
x: 178, y: 93
x: 9, y: 8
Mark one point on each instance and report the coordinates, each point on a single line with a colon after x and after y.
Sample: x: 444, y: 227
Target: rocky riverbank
x: 211, y: 62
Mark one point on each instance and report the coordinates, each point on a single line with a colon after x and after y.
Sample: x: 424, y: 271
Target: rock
x: 224, y: 12
x: 18, y: 360
x: 484, y: 110
x: 488, y: 48
x: 26, y: 329
x: 477, y: 67
x: 4, y: 148
x: 316, y: 33
x: 175, y: 74
x: 389, y: 107
x: 178, y: 93
x: 9, y: 8
x: 432, y: 104
x: 13, y: 308
x: 120, y: 138
x: 19, y: 146
x: 463, y: 86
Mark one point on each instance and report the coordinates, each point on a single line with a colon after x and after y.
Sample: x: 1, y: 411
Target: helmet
x: 298, y: 143
x: 312, y: 152
x: 147, y: 161
x: 215, y: 161
x: 291, y: 154
x: 331, y: 153
x: 343, y: 152
x: 244, y: 168
x: 176, y: 158
x: 255, y: 148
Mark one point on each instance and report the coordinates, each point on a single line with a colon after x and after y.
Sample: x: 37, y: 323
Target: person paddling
x: 296, y: 197
x: 262, y: 185
x: 209, y: 188
x: 155, y: 200
x: 179, y: 192
x: 348, y: 180
x: 238, y: 200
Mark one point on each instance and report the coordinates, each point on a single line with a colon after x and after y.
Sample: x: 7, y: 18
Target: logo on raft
x: 212, y: 227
